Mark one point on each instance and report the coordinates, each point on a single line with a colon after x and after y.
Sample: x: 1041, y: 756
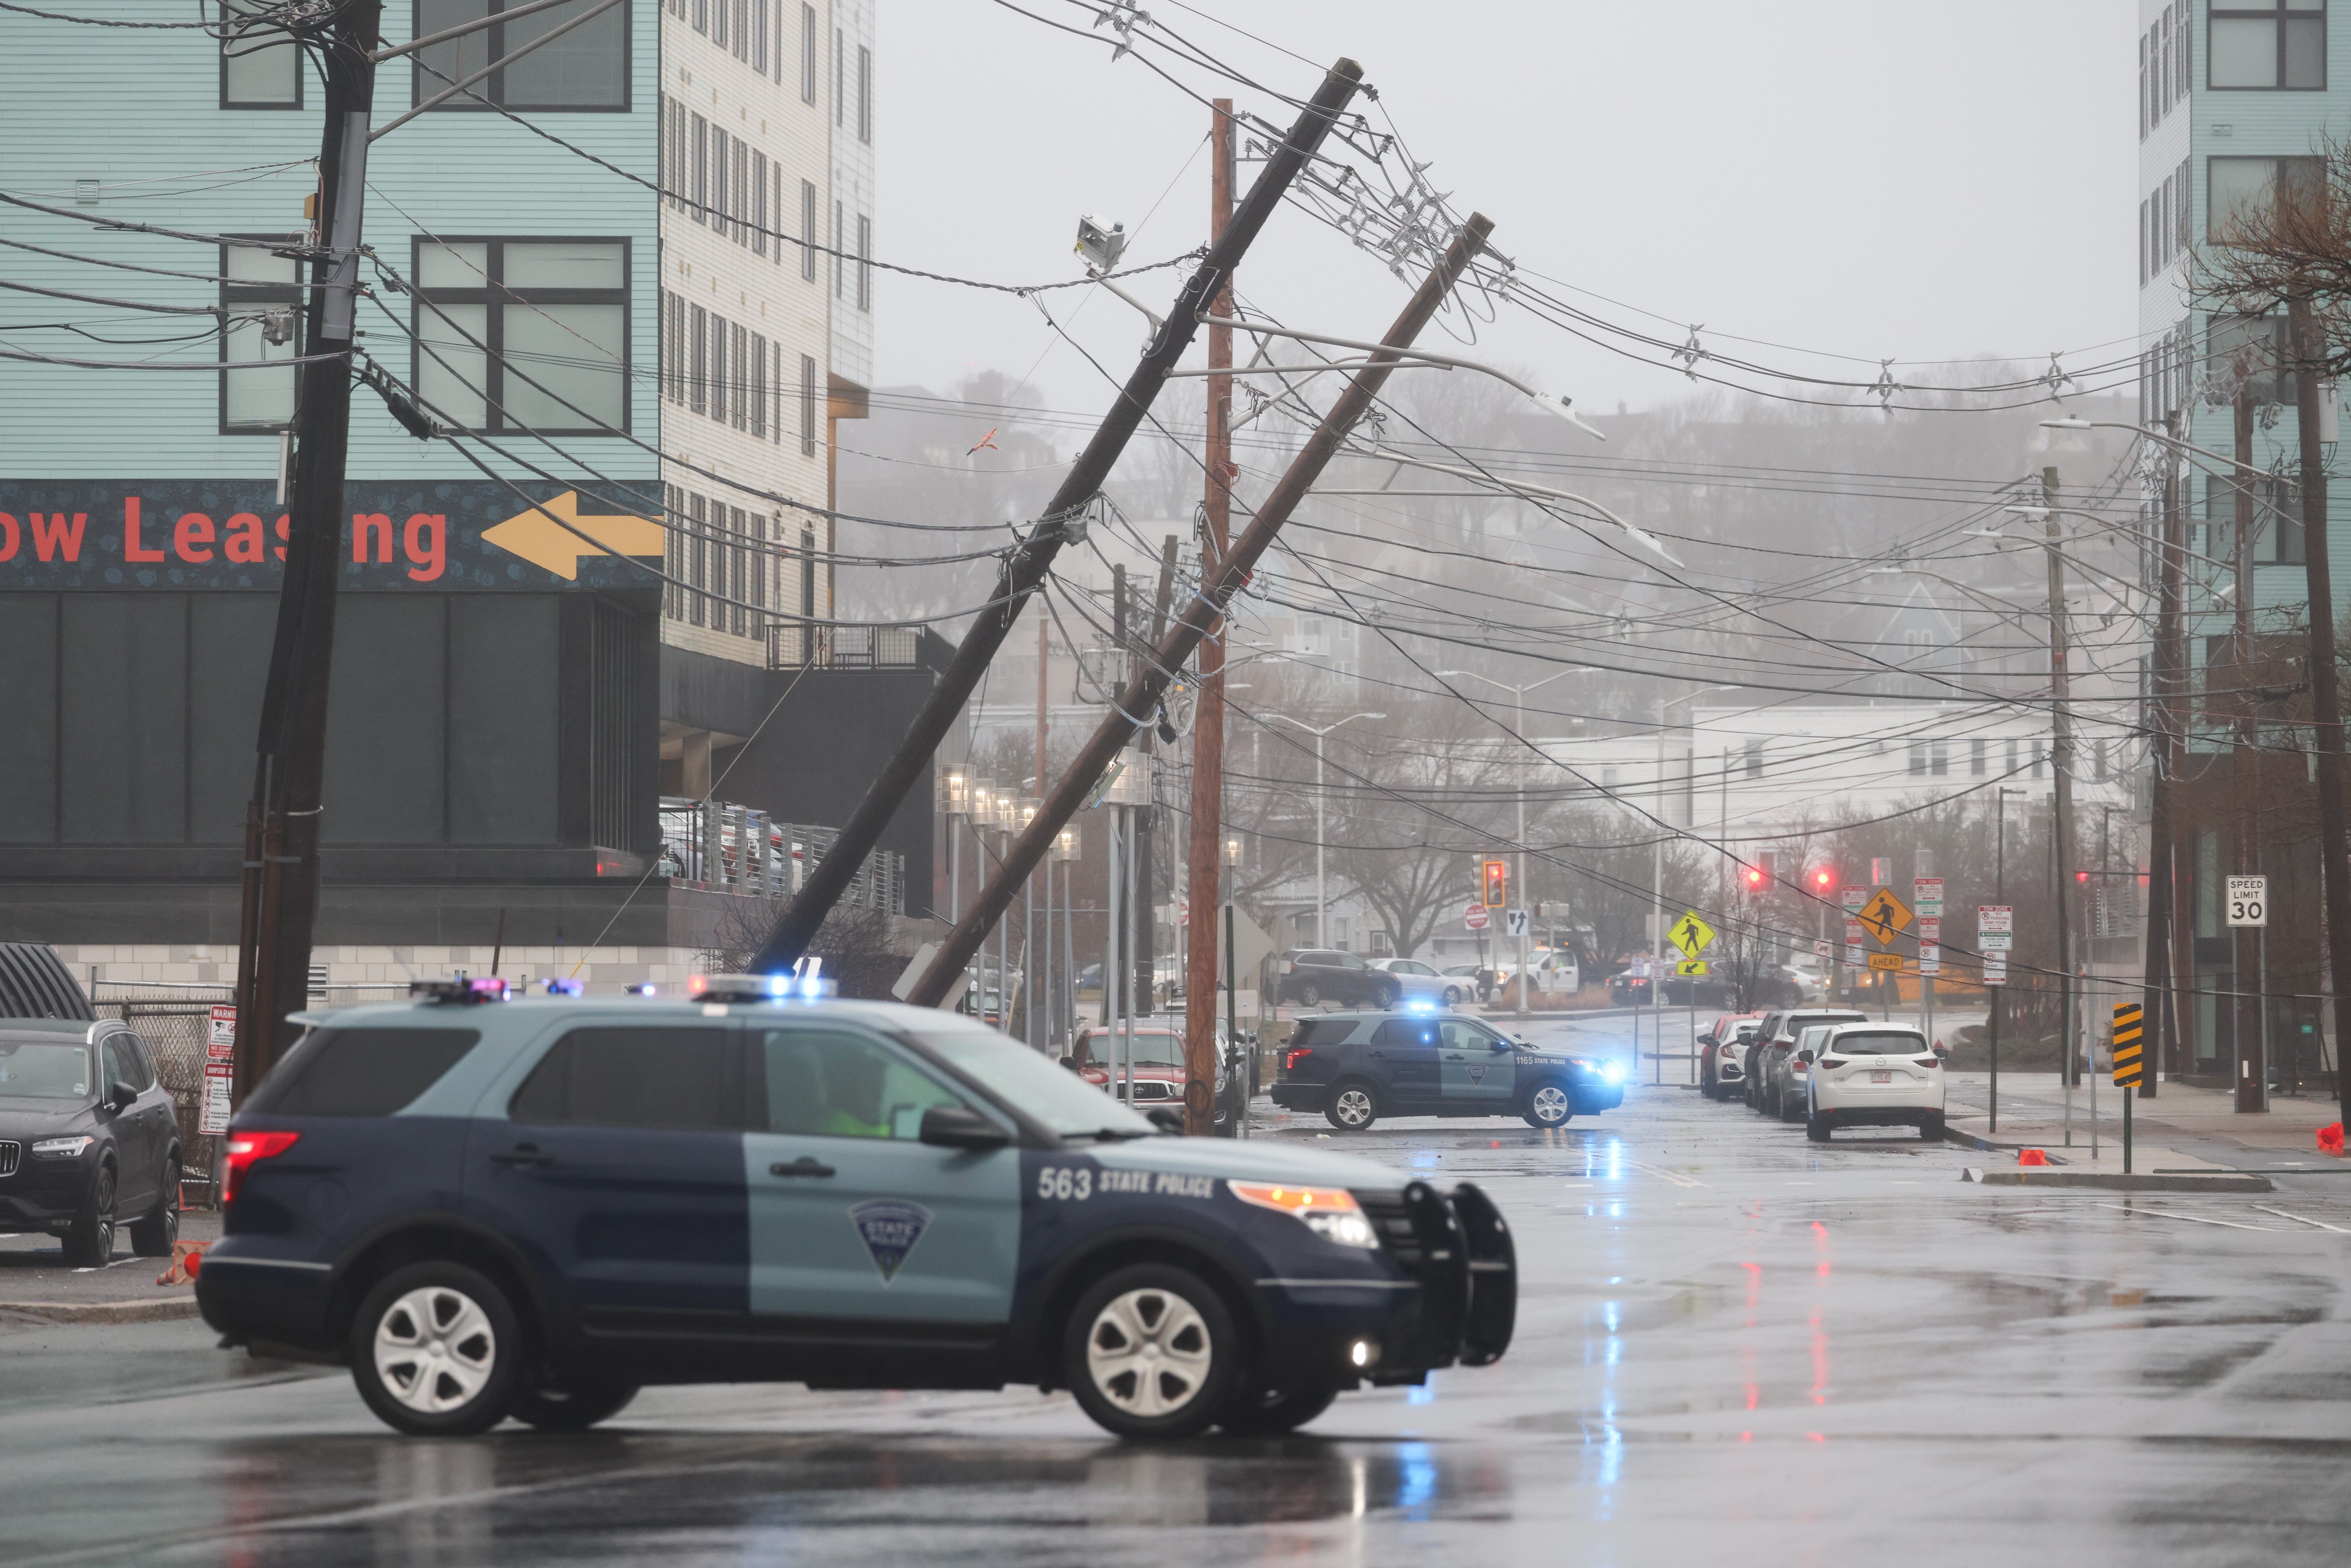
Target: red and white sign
x: 1476, y: 917
x: 219, y: 1035
x: 1995, y: 917
x: 1930, y: 928
x: 215, y: 1117
x: 1931, y: 958
x: 1853, y: 933
x: 1995, y: 970
x: 1855, y: 897
x: 1926, y: 893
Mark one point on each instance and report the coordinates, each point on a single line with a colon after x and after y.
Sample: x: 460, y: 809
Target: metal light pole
x: 1519, y: 728
x: 1321, y: 900
x: 1029, y: 984
x: 1065, y: 853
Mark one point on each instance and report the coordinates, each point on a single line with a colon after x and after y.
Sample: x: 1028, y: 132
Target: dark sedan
x: 87, y: 1139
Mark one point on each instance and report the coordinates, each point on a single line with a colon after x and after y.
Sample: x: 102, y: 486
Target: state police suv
x: 1356, y: 1067
x: 534, y: 1207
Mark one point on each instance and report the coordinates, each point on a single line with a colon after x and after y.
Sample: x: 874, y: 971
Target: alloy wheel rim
x: 1149, y: 1353
x: 435, y: 1349
x: 1354, y: 1107
x: 1549, y: 1104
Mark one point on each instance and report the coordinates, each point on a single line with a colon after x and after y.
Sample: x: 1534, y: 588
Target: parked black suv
x: 1312, y: 976
x: 86, y: 1138
x: 1356, y: 1067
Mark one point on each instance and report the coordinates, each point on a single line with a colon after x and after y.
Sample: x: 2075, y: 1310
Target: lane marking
x: 2191, y: 1219
x: 2321, y: 1224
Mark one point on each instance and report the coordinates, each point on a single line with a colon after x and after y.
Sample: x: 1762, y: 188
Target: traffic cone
x: 187, y: 1261
x: 2030, y: 1157
x: 2330, y: 1140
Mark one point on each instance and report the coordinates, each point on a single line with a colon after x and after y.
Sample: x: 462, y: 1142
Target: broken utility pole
x: 1025, y: 569
x: 1204, y: 610
x: 281, y: 830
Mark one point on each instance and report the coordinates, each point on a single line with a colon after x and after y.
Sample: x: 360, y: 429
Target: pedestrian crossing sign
x: 1690, y: 933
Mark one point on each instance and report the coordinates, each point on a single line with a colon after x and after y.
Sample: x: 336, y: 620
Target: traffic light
x: 1754, y: 876
x: 1823, y: 879
x: 1497, y: 881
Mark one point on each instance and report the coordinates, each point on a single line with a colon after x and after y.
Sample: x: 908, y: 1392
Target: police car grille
x: 9, y: 1155
x: 1393, y: 1221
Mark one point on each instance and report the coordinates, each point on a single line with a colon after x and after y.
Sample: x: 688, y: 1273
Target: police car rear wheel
x: 1351, y: 1108
x: 433, y: 1350
x: 1548, y: 1105
x: 1151, y: 1352
x: 1268, y: 1412
x: 553, y: 1408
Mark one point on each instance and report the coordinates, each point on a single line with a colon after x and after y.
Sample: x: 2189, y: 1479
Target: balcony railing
x: 727, y: 848
x: 791, y: 645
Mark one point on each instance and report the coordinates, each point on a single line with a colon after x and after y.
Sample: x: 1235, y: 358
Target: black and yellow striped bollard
x: 2128, y: 1064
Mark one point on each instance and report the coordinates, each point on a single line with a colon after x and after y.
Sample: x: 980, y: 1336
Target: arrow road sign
x: 1514, y: 921
x: 542, y: 541
x: 1690, y: 933
x: 1886, y: 916
x: 1687, y: 967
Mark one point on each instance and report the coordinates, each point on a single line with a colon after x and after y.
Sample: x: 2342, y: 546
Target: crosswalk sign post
x: 2128, y: 1064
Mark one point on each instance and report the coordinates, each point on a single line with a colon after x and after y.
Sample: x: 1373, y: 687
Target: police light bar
x: 462, y: 990
x: 562, y: 985
x: 779, y: 987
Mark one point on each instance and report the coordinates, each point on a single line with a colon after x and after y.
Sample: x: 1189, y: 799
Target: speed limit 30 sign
x: 2248, y: 901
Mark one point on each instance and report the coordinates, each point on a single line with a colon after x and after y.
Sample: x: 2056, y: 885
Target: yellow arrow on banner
x: 539, y: 540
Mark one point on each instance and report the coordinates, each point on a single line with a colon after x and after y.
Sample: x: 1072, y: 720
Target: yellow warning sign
x: 2129, y: 1066
x: 1884, y: 917
x: 1891, y: 961
x: 1687, y: 967
x: 1690, y: 933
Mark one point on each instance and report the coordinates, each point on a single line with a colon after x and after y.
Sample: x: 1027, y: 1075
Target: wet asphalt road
x: 1731, y: 1344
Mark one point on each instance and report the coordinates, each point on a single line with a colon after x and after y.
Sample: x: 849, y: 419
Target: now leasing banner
x: 113, y: 535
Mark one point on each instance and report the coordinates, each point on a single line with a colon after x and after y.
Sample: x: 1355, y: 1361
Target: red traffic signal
x: 1497, y: 884
x: 1823, y: 879
x: 1754, y: 876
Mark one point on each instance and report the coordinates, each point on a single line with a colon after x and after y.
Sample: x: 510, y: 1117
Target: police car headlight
x: 1613, y: 1073
x: 1330, y: 1212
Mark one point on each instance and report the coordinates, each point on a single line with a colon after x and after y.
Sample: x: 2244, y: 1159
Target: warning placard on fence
x: 214, y: 1119
x: 220, y: 1034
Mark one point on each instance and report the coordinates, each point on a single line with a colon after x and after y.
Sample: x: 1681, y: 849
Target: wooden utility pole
x: 2062, y: 761
x: 1205, y: 861
x: 2325, y: 693
x: 2163, y: 796
x: 2244, y: 1003
x: 281, y: 830
x: 1025, y: 569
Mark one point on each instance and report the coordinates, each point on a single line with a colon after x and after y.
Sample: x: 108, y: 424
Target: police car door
x: 1476, y: 1076
x: 852, y: 1216
x: 1403, y: 1054
x: 618, y: 1168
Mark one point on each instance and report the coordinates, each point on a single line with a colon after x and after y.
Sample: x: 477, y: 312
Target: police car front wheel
x: 433, y: 1350
x: 1269, y: 1412
x: 556, y: 1407
x: 1151, y: 1351
x: 1548, y: 1105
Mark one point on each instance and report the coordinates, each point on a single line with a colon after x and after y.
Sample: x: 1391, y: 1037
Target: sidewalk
x: 36, y: 1285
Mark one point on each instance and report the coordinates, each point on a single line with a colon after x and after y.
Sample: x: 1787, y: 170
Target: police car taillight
x: 1291, y: 1059
x: 247, y: 1150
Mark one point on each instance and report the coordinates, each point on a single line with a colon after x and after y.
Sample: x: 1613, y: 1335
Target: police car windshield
x: 1042, y: 1089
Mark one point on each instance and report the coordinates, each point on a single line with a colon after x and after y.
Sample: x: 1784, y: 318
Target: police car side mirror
x: 1071, y: 1062
x: 1505, y: 1045
x: 1165, y: 1120
x: 960, y: 1127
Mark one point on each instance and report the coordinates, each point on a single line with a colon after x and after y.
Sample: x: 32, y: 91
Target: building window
x: 586, y: 68
x: 701, y: 170
x: 739, y: 396
x: 719, y: 366
x: 759, y: 204
x: 758, y: 400
x: 1917, y: 759
x: 2253, y: 347
x: 1939, y: 758
x: 808, y: 241
x: 262, y: 298
x: 1755, y: 759
x: 808, y: 53
x: 864, y: 93
x: 697, y: 556
x: 840, y: 56
x: 2040, y: 755
x: 524, y: 335
x: 760, y: 36
x: 808, y: 406
x: 720, y: 213
x: 840, y: 230
x: 2278, y: 45
x: 261, y: 69
x: 864, y: 262
x: 2239, y: 190
x: 1978, y: 756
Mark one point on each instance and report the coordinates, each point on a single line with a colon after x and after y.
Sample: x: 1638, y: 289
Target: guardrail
x: 727, y: 848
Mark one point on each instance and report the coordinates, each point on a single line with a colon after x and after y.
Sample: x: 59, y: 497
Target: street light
x: 1321, y: 900
x: 1519, y: 726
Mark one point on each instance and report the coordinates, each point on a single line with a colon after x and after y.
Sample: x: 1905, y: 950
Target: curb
x: 147, y: 1311
x: 2117, y: 1182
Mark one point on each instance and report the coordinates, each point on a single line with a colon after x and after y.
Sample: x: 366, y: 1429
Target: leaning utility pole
x: 1205, y: 861
x: 1025, y: 569
x: 2325, y: 695
x: 2062, y: 761
x: 2164, y: 792
x: 281, y: 830
x: 1203, y: 611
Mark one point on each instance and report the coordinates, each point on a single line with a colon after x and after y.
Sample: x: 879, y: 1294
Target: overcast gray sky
x: 1854, y: 176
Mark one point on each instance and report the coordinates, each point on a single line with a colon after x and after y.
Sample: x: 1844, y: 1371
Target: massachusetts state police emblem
x: 1478, y: 1075
x: 889, y: 1229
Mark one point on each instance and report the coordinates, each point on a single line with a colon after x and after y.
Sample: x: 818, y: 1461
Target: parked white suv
x: 1872, y: 1076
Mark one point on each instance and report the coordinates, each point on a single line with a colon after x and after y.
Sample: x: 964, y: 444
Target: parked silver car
x: 1420, y: 982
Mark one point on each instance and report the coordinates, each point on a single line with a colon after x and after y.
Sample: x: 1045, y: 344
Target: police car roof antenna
x: 1199, y: 615
x: 1025, y: 569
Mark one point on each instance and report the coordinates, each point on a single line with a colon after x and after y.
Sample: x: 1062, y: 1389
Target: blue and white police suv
x: 490, y: 1207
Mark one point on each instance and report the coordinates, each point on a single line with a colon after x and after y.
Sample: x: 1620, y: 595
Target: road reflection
x: 552, y: 1500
